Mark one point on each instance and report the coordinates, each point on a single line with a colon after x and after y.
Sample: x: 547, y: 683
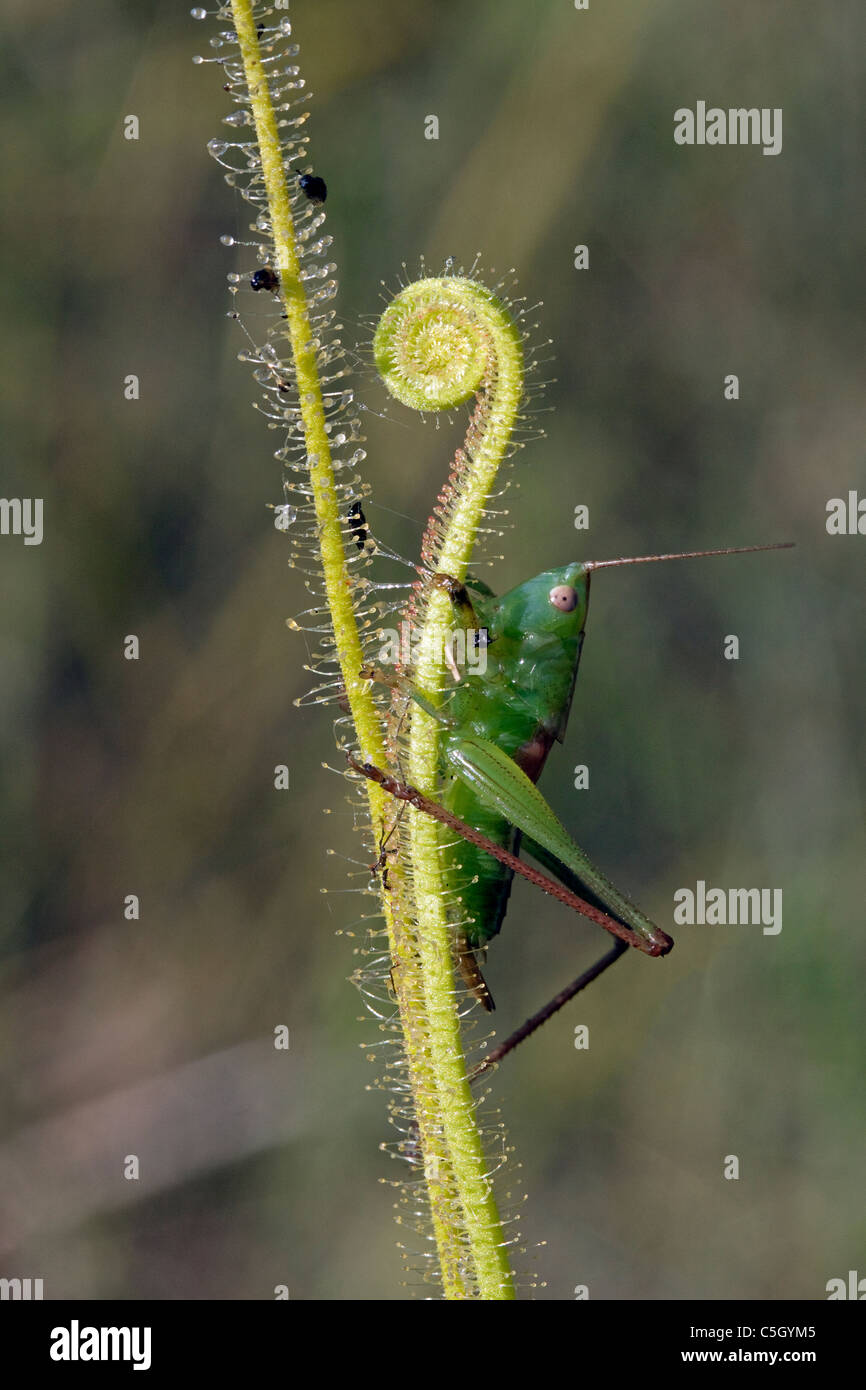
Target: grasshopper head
x: 552, y: 604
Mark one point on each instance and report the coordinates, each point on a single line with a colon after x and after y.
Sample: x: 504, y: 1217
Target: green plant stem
x: 462, y: 1205
x: 440, y: 343
x: 429, y: 874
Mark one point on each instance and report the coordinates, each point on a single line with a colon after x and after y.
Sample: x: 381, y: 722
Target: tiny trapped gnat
x: 265, y: 279
x: 359, y: 531
x: 315, y: 188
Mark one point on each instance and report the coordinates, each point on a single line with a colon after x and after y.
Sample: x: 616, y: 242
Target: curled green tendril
x: 432, y: 345
x: 440, y: 342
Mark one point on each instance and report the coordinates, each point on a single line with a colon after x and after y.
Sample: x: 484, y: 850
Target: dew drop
x: 198, y: 13
x: 217, y: 148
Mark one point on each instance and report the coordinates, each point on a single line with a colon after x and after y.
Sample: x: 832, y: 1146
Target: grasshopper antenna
x: 687, y: 555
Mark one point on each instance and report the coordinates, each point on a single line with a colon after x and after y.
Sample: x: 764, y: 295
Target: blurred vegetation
x: 155, y: 777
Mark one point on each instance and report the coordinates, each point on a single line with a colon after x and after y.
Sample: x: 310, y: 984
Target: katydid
x: 498, y: 726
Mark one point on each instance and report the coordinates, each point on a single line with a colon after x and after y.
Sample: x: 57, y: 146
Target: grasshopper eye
x: 564, y: 598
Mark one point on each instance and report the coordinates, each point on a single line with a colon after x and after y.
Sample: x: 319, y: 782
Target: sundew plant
x: 443, y: 343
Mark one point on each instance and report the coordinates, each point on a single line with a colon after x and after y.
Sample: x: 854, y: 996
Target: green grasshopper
x: 498, y: 728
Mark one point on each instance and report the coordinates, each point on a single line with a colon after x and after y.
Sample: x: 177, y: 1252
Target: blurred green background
x: 155, y: 777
